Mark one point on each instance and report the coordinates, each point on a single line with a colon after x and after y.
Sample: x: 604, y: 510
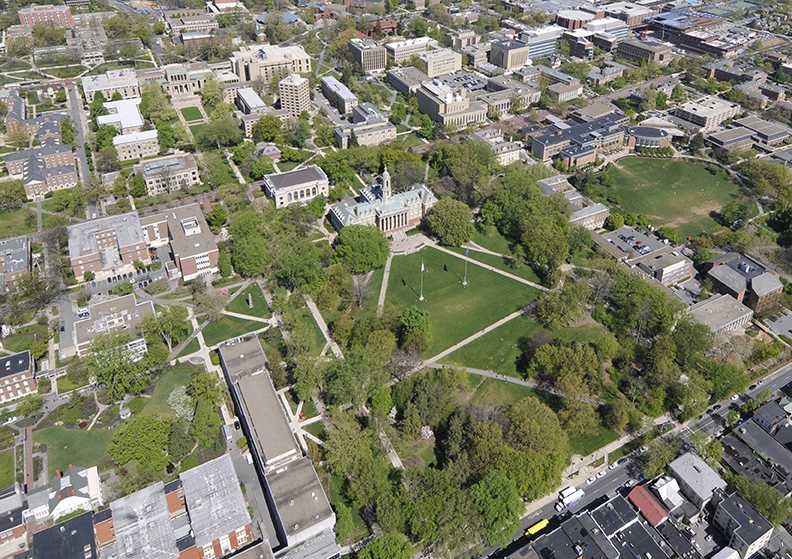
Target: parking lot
x: 633, y: 242
x: 781, y: 324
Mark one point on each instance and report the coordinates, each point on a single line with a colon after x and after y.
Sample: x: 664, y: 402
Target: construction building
x: 746, y: 280
x: 178, y: 79
x: 721, y: 314
x: 368, y: 127
x: 407, y: 80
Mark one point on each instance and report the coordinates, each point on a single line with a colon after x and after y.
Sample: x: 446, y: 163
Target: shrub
x: 242, y: 442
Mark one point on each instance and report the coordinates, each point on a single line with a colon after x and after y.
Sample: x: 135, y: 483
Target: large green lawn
x: 73, y: 446
x: 228, y: 327
x: 240, y: 303
x: 501, y: 263
x: 502, y: 349
x: 23, y: 340
x: 455, y: 311
x: 190, y: 348
x: 191, y: 113
x: 7, y: 467
x: 678, y: 193
x: 158, y: 403
x: 12, y: 223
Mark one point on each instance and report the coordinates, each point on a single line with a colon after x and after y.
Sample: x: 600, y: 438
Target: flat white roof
x: 135, y: 137
x: 125, y: 113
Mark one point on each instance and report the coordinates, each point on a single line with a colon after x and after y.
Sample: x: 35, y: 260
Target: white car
x: 734, y: 397
x: 559, y: 507
x: 591, y: 480
x: 760, y: 382
x: 643, y: 449
x: 629, y: 483
x: 601, y: 474
x: 613, y: 465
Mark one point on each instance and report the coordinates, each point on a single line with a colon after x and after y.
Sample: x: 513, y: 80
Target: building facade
x: 167, y: 174
x: 124, y: 82
x: 338, y: 95
x: 295, y: 94
x: 137, y: 145
x: 296, y: 187
x: 402, y: 51
x: 449, y: 106
x: 369, y: 54
x: 17, y: 377
x: 49, y: 15
x: 707, y: 112
x: 509, y: 54
x: 637, y: 50
x: 269, y: 61
x: 440, y: 62
x: 106, y: 243
x: 748, y: 531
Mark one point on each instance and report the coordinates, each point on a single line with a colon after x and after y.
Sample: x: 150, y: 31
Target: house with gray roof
x: 72, y: 490
x: 748, y: 531
x: 770, y: 416
x: 746, y: 280
x: 697, y: 480
x: 14, y: 262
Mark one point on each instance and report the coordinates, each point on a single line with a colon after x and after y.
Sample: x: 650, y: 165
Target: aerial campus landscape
x: 383, y: 279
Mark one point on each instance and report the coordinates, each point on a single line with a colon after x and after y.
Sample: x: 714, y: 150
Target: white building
x: 296, y: 187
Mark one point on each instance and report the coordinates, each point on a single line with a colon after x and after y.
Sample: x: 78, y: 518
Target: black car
x: 716, y: 407
x: 236, y: 425
x: 752, y: 387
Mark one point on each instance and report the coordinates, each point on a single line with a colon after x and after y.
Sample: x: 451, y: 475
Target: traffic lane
x: 67, y: 318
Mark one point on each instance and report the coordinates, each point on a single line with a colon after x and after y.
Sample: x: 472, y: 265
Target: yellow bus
x: 539, y: 526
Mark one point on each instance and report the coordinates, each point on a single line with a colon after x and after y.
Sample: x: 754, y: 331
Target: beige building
x: 296, y: 187
x: 338, y: 95
x: 448, y: 106
x: 440, y: 62
x: 707, y: 112
x: 124, y: 82
x: 178, y: 79
x: 167, y: 174
x: 369, y: 127
x: 461, y: 38
x: 137, y: 145
x: 509, y: 54
x: 295, y: 94
x: 369, y: 54
x: 402, y: 51
x: 269, y: 62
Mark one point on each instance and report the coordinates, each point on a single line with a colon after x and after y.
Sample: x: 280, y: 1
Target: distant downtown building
x: 369, y: 54
x: 296, y: 187
x: 170, y: 173
x: 295, y: 94
x: 49, y: 15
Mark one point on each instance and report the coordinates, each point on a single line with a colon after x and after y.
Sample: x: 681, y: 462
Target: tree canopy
x: 364, y: 248
x: 450, y: 221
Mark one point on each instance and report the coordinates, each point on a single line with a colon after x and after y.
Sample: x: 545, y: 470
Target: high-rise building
x: 369, y: 54
x: 269, y: 61
x: 55, y: 16
x: 295, y: 94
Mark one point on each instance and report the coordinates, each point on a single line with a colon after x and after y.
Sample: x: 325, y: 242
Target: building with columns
x: 378, y: 206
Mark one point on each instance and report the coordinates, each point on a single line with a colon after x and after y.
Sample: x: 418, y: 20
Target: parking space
x: 781, y: 324
x: 633, y: 241
x: 688, y: 291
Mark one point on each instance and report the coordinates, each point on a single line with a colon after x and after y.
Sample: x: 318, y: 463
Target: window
x: 241, y: 535
x: 208, y: 551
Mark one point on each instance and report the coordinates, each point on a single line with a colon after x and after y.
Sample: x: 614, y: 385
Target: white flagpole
x: 421, y: 298
x: 466, y: 263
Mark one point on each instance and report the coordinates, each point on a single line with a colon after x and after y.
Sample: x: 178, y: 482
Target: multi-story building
x: 646, y: 137
x: 696, y: 479
x: 249, y: 121
x: 401, y: 51
x: 122, y: 313
x: 505, y: 152
x: 170, y: 173
x: 584, y: 212
x: 541, y: 41
x: 17, y: 376
x: 178, y: 79
x: 338, y: 95
x: 13, y: 537
x: 192, y: 243
x: 136, y: 145
x: 296, y: 187
x: 19, y: 36
x: 574, y: 19
x: 721, y: 314
x: 562, y: 93
x: 73, y: 490
x: 49, y: 15
x: 605, y: 131
x: 269, y: 61
x: 105, y: 244
x: 708, y: 112
x: 295, y: 94
x: 369, y: 127
x: 38, y: 179
x: 440, y: 62
x: 53, y: 155
x: 192, y: 23
x: 638, y: 50
x: 746, y: 280
x: 407, y: 80
x: 379, y: 207
x: 449, y: 106
x: 369, y: 54
x: 123, y: 115
x: 748, y: 531
x: 124, y: 82
x: 461, y: 38
x: 509, y: 54
x: 249, y: 101
x: 14, y: 262
x: 632, y: 14
x: 667, y: 265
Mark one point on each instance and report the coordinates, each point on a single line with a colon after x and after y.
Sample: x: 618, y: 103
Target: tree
x: 678, y: 93
x: 450, y: 221
x: 261, y: 166
x: 660, y: 453
x: 30, y: 404
x: 221, y: 131
x: 387, y: 546
x: 113, y: 363
x: 768, y: 501
x: 18, y: 138
x: 500, y: 506
x: 205, y: 423
x: 297, y: 133
x: 139, y: 188
x: 212, y: 93
x: 416, y: 330
x: 615, y: 221
x: 144, y: 438
x: 217, y: 217
x: 107, y: 159
x: 364, y: 248
x: 165, y: 136
x: 344, y: 523
x: 534, y: 426
x: 67, y: 130
x: 267, y: 129
x: 696, y: 143
x: 179, y: 442
x: 733, y: 418
x: 155, y: 104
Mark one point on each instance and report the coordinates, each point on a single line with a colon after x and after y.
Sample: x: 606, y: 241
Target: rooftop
x: 766, y: 446
x: 113, y: 78
x: 125, y: 113
x: 135, y: 137
x: 697, y: 475
x: 14, y: 255
x: 338, y: 88
x: 121, y: 312
x: 750, y: 524
x: 15, y: 364
x: 82, y: 237
x: 251, y: 98
x: 142, y: 524
x: 718, y: 311
x: 214, y: 500
x: 614, y: 515
x: 71, y: 539
x: 190, y: 234
x: 289, y: 179
x: 649, y: 507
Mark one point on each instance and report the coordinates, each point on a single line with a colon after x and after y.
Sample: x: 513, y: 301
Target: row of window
x: 302, y: 194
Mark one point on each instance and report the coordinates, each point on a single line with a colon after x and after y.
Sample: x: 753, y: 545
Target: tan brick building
x: 369, y: 54
x: 167, y: 174
x: 295, y: 94
x: 137, y: 145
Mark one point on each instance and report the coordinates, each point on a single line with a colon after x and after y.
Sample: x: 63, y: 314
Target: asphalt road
x: 78, y: 116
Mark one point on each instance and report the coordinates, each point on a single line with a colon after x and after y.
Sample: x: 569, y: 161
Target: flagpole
x: 421, y: 298
x: 466, y: 263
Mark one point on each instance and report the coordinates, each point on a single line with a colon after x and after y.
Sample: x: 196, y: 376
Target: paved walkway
x: 384, y: 286
x: 323, y: 327
x: 296, y: 424
x: 491, y: 268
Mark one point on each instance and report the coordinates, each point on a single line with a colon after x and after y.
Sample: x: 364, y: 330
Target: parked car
x: 591, y: 480
x: 601, y: 474
x: 735, y: 397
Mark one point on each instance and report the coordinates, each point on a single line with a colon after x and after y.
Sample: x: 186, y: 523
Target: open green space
x: 287, y: 166
x: 588, y: 443
x: 491, y: 239
x: 335, y: 492
x: 221, y: 172
x: 502, y: 349
x: 190, y: 348
x: 73, y: 446
x: 455, y: 312
x: 316, y: 429
x: 25, y: 337
x: 136, y: 405
x: 409, y: 140
x: 195, y: 129
x: 102, y: 68
x: 66, y: 385
x: 240, y: 303
x: 12, y: 223
x: 501, y: 392
x: 675, y: 193
x: 191, y: 113
x: 228, y: 327
x: 7, y: 467
x: 501, y: 263
x: 158, y: 403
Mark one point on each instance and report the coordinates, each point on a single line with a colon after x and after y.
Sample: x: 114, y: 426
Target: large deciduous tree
x: 363, y: 248
x: 450, y: 221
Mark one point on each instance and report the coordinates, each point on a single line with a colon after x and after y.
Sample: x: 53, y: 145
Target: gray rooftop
x: 751, y: 525
x: 766, y: 446
x: 120, y: 312
x: 214, y: 500
x: 190, y: 234
x: 15, y: 255
x: 701, y: 479
x: 15, y: 364
x: 765, y: 284
x: 251, y: 98
x: 294, y: 178
x: 338, y: 88
x: 142, y: 524
x: 298, y: 495
x: 82, y: 240
x: 40, y: 151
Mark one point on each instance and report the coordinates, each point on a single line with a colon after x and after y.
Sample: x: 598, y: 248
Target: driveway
x: 781, y: 324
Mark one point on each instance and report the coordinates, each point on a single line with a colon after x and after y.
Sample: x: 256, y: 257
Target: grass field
x: 491, y: 240
x: 195, y: 129
x: 23, y: 340
x: 501, y: 263
x: 191, y: 113
x: 158, y: 403
x: 588, y: 443
x: 12, y: 223
x: 221, y: 171
x: 677, y: 193
x: 190, y: 348
x: 7, y: 467
x: 455, y: 312
x: 65, y: 385
x: 409, y: 140
x: 502, y: 349
x: 73, y: 446
x: 240, y: 303
x: 228, y: 327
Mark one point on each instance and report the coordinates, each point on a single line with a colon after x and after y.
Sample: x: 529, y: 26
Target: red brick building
x: 17, y: 377
x: 52, y: 156
x: 106, y: 244
x: 55, y: 16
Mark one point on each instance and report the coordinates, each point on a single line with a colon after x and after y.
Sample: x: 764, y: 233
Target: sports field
x: 677, y: 193
x: 455, y: 311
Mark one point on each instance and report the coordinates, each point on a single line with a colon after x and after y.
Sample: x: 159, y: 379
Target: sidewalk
x: 491, y: 268
x: 323, y: 327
